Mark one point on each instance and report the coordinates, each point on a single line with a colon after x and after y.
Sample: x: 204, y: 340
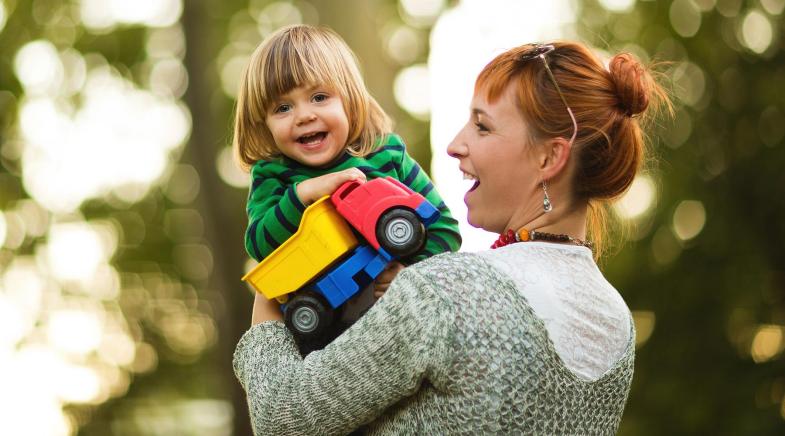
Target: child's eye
x: 281, y: 108
x: 318, y: 98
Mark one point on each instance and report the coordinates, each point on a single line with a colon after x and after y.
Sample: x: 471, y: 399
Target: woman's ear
x: 554, y: 157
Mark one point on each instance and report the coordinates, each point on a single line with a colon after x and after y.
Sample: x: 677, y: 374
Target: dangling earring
x: 546, y: 201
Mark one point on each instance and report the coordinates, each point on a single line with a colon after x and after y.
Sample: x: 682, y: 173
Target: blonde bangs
x: 294, y: 62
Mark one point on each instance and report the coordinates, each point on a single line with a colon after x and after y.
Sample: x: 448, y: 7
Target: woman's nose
x: 457, y: 147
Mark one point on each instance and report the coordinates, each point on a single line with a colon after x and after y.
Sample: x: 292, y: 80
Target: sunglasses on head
x: 539, y: 51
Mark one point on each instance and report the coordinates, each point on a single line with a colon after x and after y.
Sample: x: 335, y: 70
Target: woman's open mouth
x: 472, y: 177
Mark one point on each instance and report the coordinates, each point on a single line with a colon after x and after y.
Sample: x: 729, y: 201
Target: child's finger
x: 355, y: 174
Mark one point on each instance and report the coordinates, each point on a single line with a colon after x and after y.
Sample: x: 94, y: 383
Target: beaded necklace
x: 524, y: 235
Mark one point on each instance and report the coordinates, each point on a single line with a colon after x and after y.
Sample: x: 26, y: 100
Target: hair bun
x: 632, y: 83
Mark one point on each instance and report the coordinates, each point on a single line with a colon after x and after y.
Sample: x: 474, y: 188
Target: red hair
x: 609, y: 106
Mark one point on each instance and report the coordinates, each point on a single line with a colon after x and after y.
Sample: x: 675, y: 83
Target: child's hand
x: 265, y: 310
x: 384, y: 279
x: 313, y: 189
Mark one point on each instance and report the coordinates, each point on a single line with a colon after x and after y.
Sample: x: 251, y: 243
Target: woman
x: 526, y: 338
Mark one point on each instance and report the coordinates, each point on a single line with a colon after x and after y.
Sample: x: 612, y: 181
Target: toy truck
x: 343, y: 243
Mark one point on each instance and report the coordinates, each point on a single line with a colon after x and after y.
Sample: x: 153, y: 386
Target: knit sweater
x: 453, y: 347
x: 274, y: 210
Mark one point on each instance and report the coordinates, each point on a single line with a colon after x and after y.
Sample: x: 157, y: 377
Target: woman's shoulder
x: 455, y: 270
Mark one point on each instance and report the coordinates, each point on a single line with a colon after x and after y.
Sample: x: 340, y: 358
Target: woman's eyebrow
x: 477, y: 112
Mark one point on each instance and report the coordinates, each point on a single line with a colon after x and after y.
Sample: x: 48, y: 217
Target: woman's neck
x: 565, y: 220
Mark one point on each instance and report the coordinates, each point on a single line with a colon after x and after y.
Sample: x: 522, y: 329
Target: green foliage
x: 711, y: 294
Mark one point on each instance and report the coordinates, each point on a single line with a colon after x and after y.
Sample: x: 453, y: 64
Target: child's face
x: 309, y: 125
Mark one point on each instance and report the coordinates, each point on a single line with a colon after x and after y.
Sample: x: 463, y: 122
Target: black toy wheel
x: 308, y: 315
x: 400, y: 232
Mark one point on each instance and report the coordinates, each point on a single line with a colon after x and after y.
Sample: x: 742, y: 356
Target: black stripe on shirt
x: 428, y: 188
x: 440, y: 242
x: 291, y: 228
x: 385, y: 148
x: 296, y: 201
x: 252, y: 237
x: 269, y: 238
x: 411, y: 176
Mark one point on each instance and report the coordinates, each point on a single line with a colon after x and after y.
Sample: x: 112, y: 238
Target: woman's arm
x: 384, y: 357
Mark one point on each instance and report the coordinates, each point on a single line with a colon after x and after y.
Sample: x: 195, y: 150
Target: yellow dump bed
x: 323, y: 237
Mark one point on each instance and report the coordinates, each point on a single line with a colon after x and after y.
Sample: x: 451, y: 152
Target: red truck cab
x: 389, y: 215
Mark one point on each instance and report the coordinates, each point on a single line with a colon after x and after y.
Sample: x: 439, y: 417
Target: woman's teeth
x: 473, y: 178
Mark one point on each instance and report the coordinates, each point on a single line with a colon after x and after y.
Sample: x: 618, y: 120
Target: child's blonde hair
x: 295, y: 56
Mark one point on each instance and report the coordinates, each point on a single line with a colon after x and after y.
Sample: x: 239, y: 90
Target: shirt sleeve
x: 443, y: 234
x: 274, y: 210
x: 384, y: 357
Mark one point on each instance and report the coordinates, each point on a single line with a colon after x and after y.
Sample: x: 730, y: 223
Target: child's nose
x: 305, y: 116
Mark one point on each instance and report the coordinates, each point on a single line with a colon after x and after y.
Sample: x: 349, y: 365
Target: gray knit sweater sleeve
x: 381, y: 359
x: 453, y: 348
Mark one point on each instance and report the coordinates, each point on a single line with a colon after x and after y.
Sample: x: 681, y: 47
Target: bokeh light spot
x: 680, y: 129
x: 75, y: 331
x: 685, y: 17
x: 705, y: 5
x: 638, y: 199
x: 184, y: 184
x: 168, y: 78
x: 412, y: 91
x: 3, y: 228
x: 644, y: 325
x: 75, y: 250
x: 688, y: 219
x: 771, y: 126
x: 231, y: 73
x: 228, y: 170
x: 276, y: 15
x: 767, y: 343
x: 664, y: 246
x: 102, y: 15
x: 37, y: 65
x: 403, y: 44
x: 690, y: 83
x: 3, y: 15
x: 729, y: 8
x: 756, y: 31
x: 421, y: 12
x: 617, y: 5
x: 774, y: 7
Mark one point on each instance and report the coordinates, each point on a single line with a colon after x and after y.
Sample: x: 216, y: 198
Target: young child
x: 305, y: 124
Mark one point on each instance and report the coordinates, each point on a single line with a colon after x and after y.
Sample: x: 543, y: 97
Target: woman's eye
x: 318, y: 98
x: 481, y: 127
x: 281, y: 108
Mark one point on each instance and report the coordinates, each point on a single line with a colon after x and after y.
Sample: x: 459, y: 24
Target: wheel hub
x: 399, y: 231
x: 305, y: 319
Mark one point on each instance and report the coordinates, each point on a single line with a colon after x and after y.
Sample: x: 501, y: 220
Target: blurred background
x: 122, y: 213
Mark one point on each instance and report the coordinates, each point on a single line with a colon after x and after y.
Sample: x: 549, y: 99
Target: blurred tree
x: 706, y: 270
x: 145, y: 89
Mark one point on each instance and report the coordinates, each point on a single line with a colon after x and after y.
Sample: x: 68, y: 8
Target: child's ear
x: 554, y: 157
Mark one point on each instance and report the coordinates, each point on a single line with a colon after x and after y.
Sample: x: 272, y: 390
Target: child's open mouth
x: 312, y: 138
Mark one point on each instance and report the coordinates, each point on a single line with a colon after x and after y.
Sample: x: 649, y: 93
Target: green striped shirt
x: 274, y: 210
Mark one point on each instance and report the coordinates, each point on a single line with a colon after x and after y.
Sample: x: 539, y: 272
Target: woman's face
x: 494, y: 151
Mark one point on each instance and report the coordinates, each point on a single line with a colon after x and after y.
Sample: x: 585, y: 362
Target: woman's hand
x: 265, y: 310
x: 315, y: 188
x: 384, y: 279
